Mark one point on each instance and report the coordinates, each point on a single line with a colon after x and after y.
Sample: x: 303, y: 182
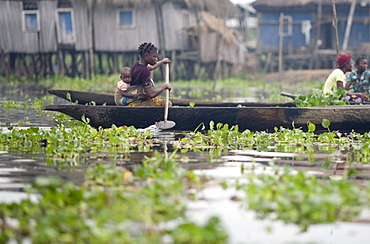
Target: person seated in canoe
x: 141, y: 89
x: 121, y: 96
x: 337, y: 78
x: 358, y: 80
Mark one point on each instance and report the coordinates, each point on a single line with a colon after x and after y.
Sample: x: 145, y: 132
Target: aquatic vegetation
x: 189, y: 232
x: 11, y: 104
x: 222, y: 135
x: 109, y: 209
x: 296, y: 197
x: 36, y: 103
x: 73, y: 139
x: 318, y: 98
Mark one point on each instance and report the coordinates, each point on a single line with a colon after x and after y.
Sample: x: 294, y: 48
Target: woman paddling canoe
x: 141, y: 81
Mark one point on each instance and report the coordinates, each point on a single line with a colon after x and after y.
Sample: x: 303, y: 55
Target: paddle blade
x: 167, y: 124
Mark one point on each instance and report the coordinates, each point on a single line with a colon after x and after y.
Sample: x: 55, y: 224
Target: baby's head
x: 126, y: 75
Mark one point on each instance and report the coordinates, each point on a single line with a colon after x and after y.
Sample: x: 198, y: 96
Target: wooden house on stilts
x: 304, y: 30
x: 83, y: 37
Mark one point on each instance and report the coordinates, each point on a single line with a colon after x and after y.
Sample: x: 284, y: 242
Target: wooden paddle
x: 286, y: 94
x: 166, y: 124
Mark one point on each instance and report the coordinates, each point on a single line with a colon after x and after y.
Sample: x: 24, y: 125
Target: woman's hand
x: 167, y: 86
x: 166, y: 60
x: 364, y: 97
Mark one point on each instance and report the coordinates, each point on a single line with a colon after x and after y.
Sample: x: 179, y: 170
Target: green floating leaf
x: 68, y: 96
x: 325, y: 123
x: 311, y: 127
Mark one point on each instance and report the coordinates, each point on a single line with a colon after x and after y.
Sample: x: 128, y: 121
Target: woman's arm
x: 363, y: 96
x: 151, y: 92
x: 348, y: 85
x: 159, y: 63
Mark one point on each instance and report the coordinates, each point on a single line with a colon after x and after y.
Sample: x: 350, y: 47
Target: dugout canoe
x: 84, y: 98
x: 343, y: 118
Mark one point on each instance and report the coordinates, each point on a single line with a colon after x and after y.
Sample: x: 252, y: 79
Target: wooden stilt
x: 74, y: 63
x: 115, y: 63
x: 100, y: 63
x: 49, y: 62
x: 86, y: 68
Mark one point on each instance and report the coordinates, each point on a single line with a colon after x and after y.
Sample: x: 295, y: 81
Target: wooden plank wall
x: 48, y: 41
x: 110, y: 37
x: 208, y: 41
x: 174, y: 21
x: 4, y: 31
x: 17, y: 40
x: 81, y: 25
x: 14, y: 39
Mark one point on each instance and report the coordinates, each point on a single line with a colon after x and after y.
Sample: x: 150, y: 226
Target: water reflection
x: 19, y: 169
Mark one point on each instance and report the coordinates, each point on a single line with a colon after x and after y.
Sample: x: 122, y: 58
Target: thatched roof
x: 220, y: 8
x: 210, y: 23
x: 218, y: 25
x: 258, y: 4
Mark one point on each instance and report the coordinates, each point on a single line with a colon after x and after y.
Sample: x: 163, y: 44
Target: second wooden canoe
x: 83, y: 98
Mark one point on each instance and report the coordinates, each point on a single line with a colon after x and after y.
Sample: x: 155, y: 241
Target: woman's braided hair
x: 146, y: 47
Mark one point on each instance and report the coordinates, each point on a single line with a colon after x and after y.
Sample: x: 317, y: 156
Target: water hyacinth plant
x: 110, y: 208
x: 318, y: 98
x: 302, y: 199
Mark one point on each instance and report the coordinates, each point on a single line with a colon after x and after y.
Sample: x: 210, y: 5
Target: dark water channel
x: 19, y: 168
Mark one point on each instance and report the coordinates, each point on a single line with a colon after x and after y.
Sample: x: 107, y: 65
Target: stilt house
x: 305, y: 30
x: 80, y: 37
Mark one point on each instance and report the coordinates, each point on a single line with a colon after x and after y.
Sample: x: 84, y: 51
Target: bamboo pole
x: 314, y: 59
x: 281, y: 36
x: 90, y: 16
x: 335, y: 27
x: 349, y: 25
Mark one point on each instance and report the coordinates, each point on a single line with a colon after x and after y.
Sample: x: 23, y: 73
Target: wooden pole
x: 91, y: 6
x: 173, y: 66
x: 219, y: 50
x: 281, y: 36
x: 160, y: 29
x: 349, y: 26
x: 335, y: 27
x: 314, y: 59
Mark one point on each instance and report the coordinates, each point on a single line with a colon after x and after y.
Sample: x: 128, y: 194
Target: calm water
x: 18, y: 169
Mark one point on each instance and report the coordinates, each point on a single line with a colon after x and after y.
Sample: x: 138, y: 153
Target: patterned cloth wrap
x: 156, y: 101
x: 359, y: 84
